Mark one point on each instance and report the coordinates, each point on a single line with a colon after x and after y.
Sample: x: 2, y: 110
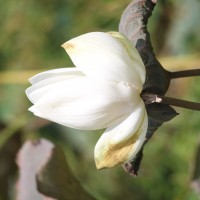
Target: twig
x: 149, y: 98
x: 179, y: 103
x: 184, y: 73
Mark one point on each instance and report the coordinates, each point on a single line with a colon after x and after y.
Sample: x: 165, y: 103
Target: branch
x: 149, y: 98
x: 179, y: 103
x: 185, y: 73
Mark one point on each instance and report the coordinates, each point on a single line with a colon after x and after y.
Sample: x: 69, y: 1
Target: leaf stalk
x: 149, y: 98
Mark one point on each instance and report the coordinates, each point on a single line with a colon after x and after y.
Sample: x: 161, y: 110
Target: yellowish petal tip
x: 68, y: 46
x: 100, y: 165
x: 116, y: 34
x: 107, y: 162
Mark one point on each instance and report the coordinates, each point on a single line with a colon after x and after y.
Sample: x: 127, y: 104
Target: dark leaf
x: 43, y: 167
x: 161, y: 112
x: 157, y: 115
x: 55, y: 179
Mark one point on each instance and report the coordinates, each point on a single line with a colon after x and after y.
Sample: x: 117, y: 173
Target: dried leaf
x: 157, y: 115
x: 55, y: 179
x: 32, y: 156
x: 43, y: 166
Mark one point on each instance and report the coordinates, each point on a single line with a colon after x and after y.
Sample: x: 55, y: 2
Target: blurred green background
x: 31, y: 34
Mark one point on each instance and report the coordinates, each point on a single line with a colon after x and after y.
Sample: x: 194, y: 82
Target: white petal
x: 105, y: 57
x: 136, y: 146
x: 83, y: 103
x: 121, y: 142
x: 44, y: 81
x: 55, y: 72
x: 133, y: 53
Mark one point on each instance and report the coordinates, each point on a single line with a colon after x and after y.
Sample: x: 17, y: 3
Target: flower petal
x: 121, y: 143
x: 84, y: 103
x: 55, y: 72
x: 44, y: 81
x: 133, y: 54
x: 105, y: 57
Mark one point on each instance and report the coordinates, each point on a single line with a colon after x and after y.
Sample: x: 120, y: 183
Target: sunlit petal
x: 54, y: 72
x: 120, y: 143
x: 105, y: 57
x: 133, y: 54
x: 43, y: 82
x: 83, y: 103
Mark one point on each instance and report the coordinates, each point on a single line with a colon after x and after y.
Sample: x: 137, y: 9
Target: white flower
x: 103, y: 91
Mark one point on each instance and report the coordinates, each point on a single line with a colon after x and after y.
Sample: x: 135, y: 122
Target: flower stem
x: 185, y: 73
x: 179, y: 103
x: 149, y: 98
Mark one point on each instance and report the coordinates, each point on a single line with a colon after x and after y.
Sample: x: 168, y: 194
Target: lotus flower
x: 101, y: 92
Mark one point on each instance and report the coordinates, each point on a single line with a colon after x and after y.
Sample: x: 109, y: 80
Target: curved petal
x: 133, y: 54
x: 105, y: 57
x: 44, y: 81
x: 55, y: 72
x: 83, y: 103
x: 121, y: 143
